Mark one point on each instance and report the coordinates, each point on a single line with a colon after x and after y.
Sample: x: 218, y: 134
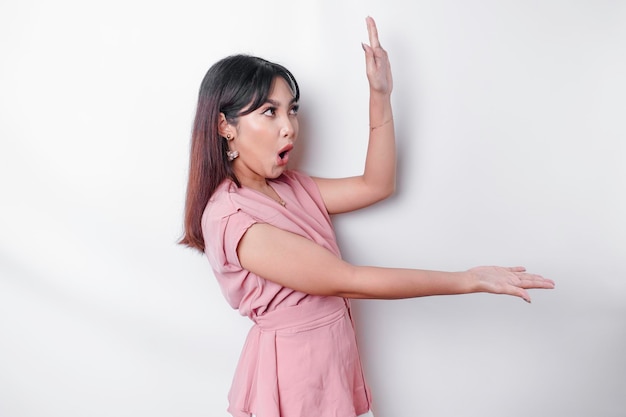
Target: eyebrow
x: 277, y: 104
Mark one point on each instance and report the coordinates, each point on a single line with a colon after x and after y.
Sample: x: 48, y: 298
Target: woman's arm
x: 300, y: 264
x: 379, y: 176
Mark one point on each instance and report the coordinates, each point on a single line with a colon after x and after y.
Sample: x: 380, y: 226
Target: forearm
x: 380, y: 163
x: 393, y: 283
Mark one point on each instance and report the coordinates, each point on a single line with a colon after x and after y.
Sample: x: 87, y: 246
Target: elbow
x: 387, y: 185
x: 380, y: 187
x: 386, y: 191
x: 390, y: 190
x: 350, y: 285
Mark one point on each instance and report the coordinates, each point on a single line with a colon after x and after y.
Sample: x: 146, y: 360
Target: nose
x: 289, y: 127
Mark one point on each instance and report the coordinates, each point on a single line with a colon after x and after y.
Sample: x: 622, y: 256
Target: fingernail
x: 363, y: 46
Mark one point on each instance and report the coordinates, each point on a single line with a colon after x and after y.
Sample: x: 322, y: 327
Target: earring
x: 232, y: 155
x: 229, y: 137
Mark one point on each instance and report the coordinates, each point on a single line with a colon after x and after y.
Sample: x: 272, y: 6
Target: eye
x: 270, y: 111
x: 294, y: 109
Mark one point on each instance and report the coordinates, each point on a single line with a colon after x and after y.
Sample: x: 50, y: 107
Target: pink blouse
x: 300, y: 358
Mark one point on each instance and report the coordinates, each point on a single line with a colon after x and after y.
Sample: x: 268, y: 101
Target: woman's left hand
x: 512, y: 281
x: 376, y: 62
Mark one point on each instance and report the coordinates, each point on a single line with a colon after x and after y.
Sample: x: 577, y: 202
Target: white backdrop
x: 510, y: 125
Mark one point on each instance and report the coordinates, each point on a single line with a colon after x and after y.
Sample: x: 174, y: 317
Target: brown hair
x: 235, y: 86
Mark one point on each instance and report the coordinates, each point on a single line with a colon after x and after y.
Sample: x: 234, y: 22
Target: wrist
x: 380, y: 112
x: 381, y: 124
x: 471, y: 281
x: 380, y: 95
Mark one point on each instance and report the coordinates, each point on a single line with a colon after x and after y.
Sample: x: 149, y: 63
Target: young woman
x: 267, y: 233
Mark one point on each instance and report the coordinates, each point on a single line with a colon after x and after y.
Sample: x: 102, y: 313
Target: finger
x: 372, y: 32
x: 531, y: 280
x: 524, y: 295
x: 520, y: 292
x: 370, y: 59
x: 535, y: 281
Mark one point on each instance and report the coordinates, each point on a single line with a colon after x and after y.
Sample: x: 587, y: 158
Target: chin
x: 277, y: 172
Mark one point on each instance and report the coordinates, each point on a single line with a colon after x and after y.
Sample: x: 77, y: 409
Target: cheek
x: 251, y: 133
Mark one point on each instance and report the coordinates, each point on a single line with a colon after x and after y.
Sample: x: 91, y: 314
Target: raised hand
x: 376, y: 62
x: 512, y: 281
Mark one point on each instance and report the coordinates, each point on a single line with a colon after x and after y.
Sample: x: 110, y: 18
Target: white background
x: 510, y: 119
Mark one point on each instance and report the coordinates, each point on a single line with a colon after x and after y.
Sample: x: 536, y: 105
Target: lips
x: 283, y: 154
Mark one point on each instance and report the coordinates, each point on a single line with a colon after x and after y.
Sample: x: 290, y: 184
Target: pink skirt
x: 301, y: 361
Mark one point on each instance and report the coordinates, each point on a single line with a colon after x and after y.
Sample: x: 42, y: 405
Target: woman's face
x: 265, y: 137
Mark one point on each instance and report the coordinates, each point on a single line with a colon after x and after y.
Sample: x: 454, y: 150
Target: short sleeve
x: 222, y: 237
x: 236, y: 226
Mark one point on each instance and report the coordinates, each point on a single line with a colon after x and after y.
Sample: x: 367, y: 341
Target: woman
x: 267, y: 233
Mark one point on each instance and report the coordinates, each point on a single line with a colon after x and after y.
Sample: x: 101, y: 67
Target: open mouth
x: 283, y: 155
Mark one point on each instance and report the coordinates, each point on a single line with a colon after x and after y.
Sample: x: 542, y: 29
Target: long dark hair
x: 235, y: 86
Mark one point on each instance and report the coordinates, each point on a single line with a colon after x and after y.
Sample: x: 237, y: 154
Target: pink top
x: 300, y: 358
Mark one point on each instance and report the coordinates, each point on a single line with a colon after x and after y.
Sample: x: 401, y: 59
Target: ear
x: 223, y: 127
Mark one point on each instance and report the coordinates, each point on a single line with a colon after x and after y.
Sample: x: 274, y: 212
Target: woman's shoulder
x: 230, y: 199
x: 221, y: 203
